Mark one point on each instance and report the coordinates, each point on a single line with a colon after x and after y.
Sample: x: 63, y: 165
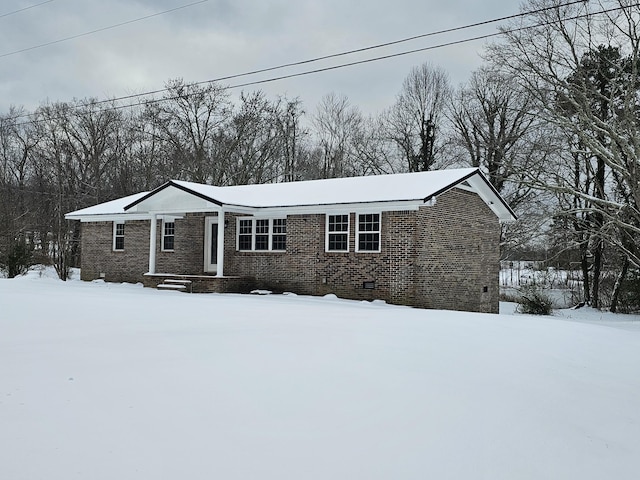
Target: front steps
x: 199, y: 283
x: 176, y: 284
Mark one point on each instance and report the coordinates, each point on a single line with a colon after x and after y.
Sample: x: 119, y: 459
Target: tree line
x: 551, y: 117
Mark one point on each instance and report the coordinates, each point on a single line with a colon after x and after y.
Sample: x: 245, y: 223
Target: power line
x: 348, y: 52
x: 335, y: 67
x: 23, y: 9
x: 432, y: 47
x: 335, y: 55
x: 128, y: 22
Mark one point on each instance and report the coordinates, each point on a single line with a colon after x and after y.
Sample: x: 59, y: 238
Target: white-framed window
x: 118, y: 236
x: 279, y: 234
x: 168, y: 235
x: 337, y: 233
x: 368, y: 232
x: 245, y: 234
x: 261, y: 234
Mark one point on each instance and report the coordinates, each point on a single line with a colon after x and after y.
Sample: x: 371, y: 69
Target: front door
x: 211, y: 244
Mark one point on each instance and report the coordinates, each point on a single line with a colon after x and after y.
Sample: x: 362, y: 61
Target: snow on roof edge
x: 417, y: 186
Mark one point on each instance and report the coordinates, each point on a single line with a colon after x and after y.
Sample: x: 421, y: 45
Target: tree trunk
x: 584, y: 264
x: 595, y: 278
x: 618, y: 285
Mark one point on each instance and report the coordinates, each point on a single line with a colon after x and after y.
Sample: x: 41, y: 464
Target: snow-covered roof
x: 396, y: 189
x: 108, y: 208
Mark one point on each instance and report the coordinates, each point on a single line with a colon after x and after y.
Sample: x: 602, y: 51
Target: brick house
x: 428, y: 239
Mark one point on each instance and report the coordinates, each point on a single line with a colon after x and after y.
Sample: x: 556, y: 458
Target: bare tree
x: 496, y: 127
x: 253, y: 141
x: 188, y: 122
x: 415, y: 121
x: 292, y: 136
x: 337, y: 126
x: 580, y: 63
x: 17, y: 140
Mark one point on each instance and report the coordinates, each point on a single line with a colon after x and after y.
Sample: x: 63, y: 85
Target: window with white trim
x: 279, y: 234
x: 245, y: 234
x: 261, y: 234
x: 337, y: 237
x: 168, y: 235
x: 368, y: 232
x: 118, y: 236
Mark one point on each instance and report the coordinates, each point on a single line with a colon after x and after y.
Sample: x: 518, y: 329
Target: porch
x: 201, y: 283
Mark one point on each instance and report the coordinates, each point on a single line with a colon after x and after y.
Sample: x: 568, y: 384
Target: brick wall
x: 293, y: 270
x: 187, y: 256
x: 443, y: 256
x: 458, y: 254
x: 99, y: 258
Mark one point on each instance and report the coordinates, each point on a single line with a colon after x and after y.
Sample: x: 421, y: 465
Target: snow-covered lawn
x: 103, y: 381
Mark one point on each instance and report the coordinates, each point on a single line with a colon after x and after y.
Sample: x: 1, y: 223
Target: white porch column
x: 220, y: 259
x: 152, y: 243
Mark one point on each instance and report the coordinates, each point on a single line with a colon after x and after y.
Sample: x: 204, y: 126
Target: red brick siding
x: 187, y: 256
x: 121, y: 266
x: 458, y: 254
x: 441, y: 256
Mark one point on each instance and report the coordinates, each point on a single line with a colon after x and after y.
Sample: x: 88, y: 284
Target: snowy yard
x: 103, y: 381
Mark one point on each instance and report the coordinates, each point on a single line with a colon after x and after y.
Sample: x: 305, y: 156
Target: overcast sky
x: 225, y: 37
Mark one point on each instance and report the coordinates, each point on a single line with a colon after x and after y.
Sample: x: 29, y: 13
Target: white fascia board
x: 206, y: 209
x: 229, y: 208
x: 492, y: 199
x: 373, y: 207
x: 113, y: 217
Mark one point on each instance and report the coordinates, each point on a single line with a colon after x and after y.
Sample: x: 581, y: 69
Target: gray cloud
x: 220, y: 38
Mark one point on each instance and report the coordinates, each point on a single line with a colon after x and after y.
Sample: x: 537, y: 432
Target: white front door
x: 211, y: 244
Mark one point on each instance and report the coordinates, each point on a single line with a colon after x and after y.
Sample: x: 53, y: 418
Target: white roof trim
x: 395, y: 192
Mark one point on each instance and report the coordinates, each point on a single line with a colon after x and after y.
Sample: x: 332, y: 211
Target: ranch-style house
x: 427, y: 239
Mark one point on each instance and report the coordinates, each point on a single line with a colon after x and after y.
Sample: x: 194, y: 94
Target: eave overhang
x: 175, y: 198
x: 479, y: 184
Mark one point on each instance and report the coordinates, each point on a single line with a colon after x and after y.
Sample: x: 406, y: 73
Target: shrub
x: 17, y: 259
x: 534, y: 301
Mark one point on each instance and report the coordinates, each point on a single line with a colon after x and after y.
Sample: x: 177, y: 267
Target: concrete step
x: 170, y: 286
x: 178, y: 281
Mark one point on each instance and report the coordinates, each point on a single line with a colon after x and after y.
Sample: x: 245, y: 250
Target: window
x: 262, y: 234
x: 245, y: 234
x: 168, y: 235
x: 118, y: 236
x: 368, y: 233
x: 337, y: 239
x: 279, y: 238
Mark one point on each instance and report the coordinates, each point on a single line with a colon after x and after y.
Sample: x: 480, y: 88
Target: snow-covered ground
x: 106, y: 381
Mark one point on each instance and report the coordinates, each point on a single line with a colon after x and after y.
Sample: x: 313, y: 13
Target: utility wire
x: 432, y: 47
x: 345, y: 53
x: 334, y: 67
x: 128, y: 22
x: 23, y: 9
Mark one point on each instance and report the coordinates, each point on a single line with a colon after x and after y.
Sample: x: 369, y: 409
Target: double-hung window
x: 118, y: 236
x: 337, y: 239
x: 262, y: 234
x: 245, y: 234
x: 368, y: 232
x: 279, y: 234
x: 168, y: 235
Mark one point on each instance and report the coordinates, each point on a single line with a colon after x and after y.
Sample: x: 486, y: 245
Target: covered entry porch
x: 212, y: 243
